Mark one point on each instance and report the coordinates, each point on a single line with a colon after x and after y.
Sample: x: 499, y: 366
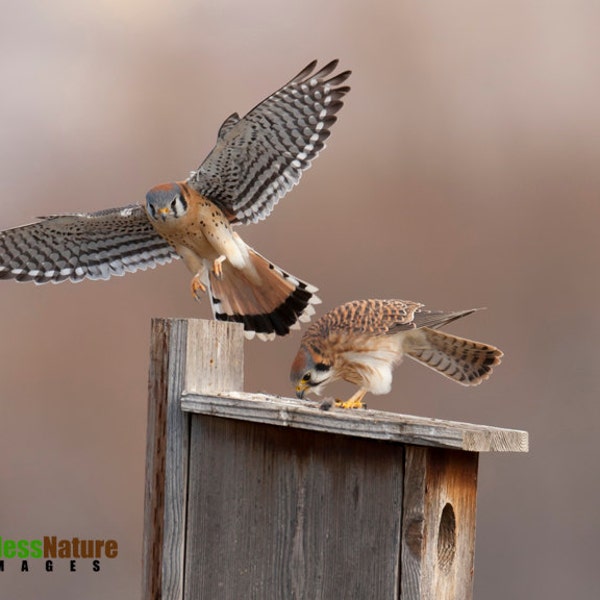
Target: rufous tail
x: 465, y: 361
x: 268, y: 301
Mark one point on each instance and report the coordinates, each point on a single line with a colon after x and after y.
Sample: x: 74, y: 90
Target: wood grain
x: 438, y: 529
x: 291, y: 514
x: 195, y: 354
x: 287, y: 412
x: 163, y: 337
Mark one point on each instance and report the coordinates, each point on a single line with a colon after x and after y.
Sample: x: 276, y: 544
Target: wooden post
x: 203, y: 356
x: 255, y: 496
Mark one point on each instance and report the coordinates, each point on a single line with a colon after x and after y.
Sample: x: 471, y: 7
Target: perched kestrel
x: 362, y: 341
x: 257, y: 159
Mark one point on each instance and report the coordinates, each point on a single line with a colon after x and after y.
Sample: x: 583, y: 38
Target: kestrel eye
x: 174, y: 203
x: 152, y: 211
x: 306, y: 377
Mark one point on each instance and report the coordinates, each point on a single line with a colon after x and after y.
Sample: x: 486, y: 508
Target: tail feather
x: 266, y: 299
x: 464, y: 361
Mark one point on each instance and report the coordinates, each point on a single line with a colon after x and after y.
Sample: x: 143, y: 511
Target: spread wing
x: 257, y: 159
x: 94, y: 245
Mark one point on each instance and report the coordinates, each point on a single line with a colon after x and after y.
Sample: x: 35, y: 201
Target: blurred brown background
x: 464, y: 171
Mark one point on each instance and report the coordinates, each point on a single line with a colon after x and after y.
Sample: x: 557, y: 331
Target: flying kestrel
x: 362, y: 341
x: 257, y: 159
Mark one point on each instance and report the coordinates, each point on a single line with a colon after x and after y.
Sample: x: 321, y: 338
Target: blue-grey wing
x: 257, y: 159
x: 73, y: 247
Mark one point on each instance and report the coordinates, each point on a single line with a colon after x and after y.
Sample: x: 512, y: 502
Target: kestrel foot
x: 350, y: 404
x: 217, y: 267
x: 354, y: 401
x: 198, y: 288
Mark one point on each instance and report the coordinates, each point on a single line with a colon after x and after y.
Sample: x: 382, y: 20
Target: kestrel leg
x: 195, y: 264
x: 355, y: 401
x: 217, y: 266
x: 230, y: 247
x: 197, y: 287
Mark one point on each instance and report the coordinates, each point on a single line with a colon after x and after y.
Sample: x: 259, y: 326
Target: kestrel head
x: 165, y: 202
x: 311, y: 371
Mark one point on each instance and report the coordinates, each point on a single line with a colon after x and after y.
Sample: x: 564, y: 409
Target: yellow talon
x: 198, y: 287
x: 354, y: 401
x: 350, y: 404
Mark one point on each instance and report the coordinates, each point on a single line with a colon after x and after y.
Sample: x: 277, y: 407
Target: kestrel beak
x: 163, y: 211
x: 300, y: 389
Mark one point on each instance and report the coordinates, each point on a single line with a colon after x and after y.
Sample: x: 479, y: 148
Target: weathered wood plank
x: 438, y: 530
x: 286, y: 513
x: 163, y: 540
x: 215, y: 361
x: 195, y: 354
x: 413, y: 522
x: 287, y: 412
x: 155, y: 468
x: 215, y: 357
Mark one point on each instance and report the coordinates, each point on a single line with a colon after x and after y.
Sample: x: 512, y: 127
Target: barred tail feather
x: 465, y: 361
x: 266, y: 299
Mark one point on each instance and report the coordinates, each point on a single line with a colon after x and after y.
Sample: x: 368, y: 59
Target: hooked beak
x: 163, y: 212
x: 300, y: 389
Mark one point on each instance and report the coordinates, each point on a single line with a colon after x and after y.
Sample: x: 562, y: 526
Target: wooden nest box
x: 250, y: 496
